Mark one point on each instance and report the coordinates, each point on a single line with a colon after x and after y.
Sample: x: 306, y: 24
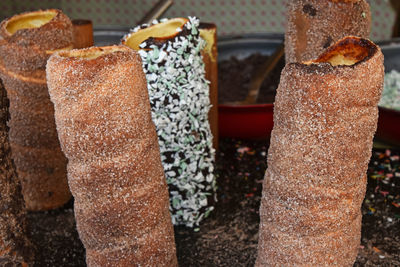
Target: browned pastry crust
x: 104, y: 124
x: 314, y: 25
x: 325, y: 117
x: 15, y: 248
x: 24, y: 51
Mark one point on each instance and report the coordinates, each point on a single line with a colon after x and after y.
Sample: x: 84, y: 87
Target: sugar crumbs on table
x: 377, y: 250
x: 384, y: 193
x: 249, y: 195
x: 394, y: 158
x: 371, y: 210
x: 242, y: 150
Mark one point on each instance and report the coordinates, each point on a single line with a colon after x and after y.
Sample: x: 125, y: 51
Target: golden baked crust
x: 325, y: 117
x: 314, y: 25
x: 28, y: 49
x: 28, y: 40
x: 105, y: 129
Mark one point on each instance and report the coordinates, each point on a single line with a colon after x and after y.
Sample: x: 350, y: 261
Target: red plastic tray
x: 249, y: 122
x: 389, y: 126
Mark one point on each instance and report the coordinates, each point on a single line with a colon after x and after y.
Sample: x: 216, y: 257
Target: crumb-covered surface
x: 229, y: 236
x: 391, y: 91
x: 14, y: 246
x: 103, y: 119
x: 179, y: 98
x: 325, y: 118
x: 314, y: 25
x: 41, y: 166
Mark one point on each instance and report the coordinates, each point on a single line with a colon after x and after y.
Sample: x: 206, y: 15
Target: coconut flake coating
x: 36, y: 151
x: 314, y: 25
x: 15, y: 248
x: 325, y: 118
x: 179, y: 98
x: 104, y: 124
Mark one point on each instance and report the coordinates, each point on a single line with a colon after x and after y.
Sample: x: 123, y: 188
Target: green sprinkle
x: 363, y: 15
x: 207, y: 213
x: 183, y: 165
x: 175, y: 202
x: 152, y: 68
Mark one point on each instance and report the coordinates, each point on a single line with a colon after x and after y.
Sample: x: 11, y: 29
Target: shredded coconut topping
x: 391, y: 91
x: 179, y: 97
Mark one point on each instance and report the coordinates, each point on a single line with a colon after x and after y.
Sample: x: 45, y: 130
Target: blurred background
x: 232, y: 17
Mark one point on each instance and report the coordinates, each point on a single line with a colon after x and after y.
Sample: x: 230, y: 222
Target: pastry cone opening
x: 347, y: 51
x: 29, y: 20
x: 91, y: 53
x: 161, y: 31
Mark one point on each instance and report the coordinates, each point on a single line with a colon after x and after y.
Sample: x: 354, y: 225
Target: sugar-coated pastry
x: 104, y: 124
x: 325, y: 117
x: 28, y: 39
x: 15, y: 247
x: 314, y: 25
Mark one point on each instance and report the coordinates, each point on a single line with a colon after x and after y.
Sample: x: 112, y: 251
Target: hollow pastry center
x: 348, y: 51
x: 160, y: 31
x: 92, y: 53
x: 30, y: 20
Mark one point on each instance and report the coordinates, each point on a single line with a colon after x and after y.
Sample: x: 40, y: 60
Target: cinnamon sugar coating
x: 314, y: 25
x: 104, y: 124
x: 325, y: 118
x: 15, y: 248
x: 41, y: 165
